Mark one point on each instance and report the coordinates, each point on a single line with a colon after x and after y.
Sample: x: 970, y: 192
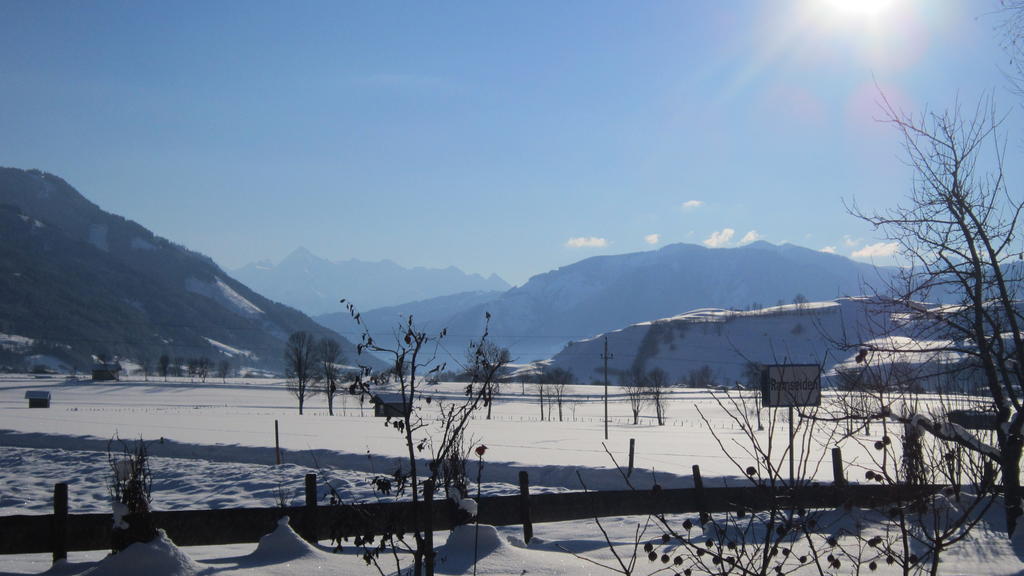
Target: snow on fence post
x: 309, y: 522
x: 59, y: 527
x: 524, y: 506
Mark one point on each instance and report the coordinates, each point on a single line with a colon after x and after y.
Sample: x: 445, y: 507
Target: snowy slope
x: 728, y: 341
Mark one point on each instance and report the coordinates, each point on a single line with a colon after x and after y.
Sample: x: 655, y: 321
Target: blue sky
x: 497, y: 137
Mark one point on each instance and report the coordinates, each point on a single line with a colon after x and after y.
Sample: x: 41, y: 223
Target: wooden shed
x: 106, y: 371
x: 38, y: 398
x: 390, y: 406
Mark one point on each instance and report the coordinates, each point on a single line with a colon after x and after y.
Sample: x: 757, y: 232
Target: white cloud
x: 879, y: 250
x: 652, y: 238
x: 720, y: 238
x: 692, y: 204
x: 749, y: 237
x: 586, y: 242
x: 850, y: 242
x: 828, y: 250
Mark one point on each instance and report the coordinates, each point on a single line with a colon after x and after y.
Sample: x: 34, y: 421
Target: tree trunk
x: 1011, y: 481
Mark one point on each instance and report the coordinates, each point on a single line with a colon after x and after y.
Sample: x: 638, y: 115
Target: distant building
x: 106, y: 371
x: 38, y: 398
x: 389, y: 406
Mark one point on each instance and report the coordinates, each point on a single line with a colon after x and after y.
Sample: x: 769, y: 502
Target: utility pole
x: 606, y: 356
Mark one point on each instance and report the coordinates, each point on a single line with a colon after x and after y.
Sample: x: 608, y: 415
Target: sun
x: 860, y: 7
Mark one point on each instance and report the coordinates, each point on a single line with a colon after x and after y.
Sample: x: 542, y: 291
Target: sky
x: 508, y: 138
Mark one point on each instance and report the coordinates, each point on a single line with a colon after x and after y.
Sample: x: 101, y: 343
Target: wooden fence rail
x: 61, y: 532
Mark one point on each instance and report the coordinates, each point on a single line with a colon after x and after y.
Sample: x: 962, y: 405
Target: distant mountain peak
x: 314, y: 284
x: 301, y: 254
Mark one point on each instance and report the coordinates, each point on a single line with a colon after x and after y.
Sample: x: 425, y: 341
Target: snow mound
x: 462, y: 539
x: 282, y: 545
x: 494, y: 555
x: 158, y: 557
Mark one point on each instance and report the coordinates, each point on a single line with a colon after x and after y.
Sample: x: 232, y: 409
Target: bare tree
x: 328, y: 358
x: 658, y: 385
x: 130, y: 486
x: 300, y: 366
x: 413, y: 361
x: 702, y: 377
x: 542, y: 387
x: 223, y: 369
x: 202, y: 367
x: 557, y: 380
x: 486, y: 361
x: 634, y: 382
x: 800, y: 301
x: 957, y: 235
x: 164, y: 364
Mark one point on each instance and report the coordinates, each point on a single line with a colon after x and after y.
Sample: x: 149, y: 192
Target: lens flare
x: 860, y: 7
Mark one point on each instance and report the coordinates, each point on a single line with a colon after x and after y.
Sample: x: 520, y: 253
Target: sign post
x: 791, y: 385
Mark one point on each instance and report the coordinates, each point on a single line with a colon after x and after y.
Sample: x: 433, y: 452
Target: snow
x: 142, y: 244
x: 120, y: 510
x: 219, y: 291
x: 29, y: 220
x: 283, y: 544
x: 98, y: 236
x: 211, y: 446
x: 15, y: 343
x: 728, y: 342
x: 159, y: 557
x: 230, y: 351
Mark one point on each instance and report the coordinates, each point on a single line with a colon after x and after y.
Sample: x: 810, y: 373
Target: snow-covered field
x: 212, y: 447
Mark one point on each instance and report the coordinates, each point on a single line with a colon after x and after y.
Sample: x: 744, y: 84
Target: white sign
x: 791, y: 385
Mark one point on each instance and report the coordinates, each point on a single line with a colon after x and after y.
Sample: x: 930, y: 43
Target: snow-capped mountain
x: 605, y: 293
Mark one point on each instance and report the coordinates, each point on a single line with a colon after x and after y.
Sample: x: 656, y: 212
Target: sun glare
x: 860, y: 7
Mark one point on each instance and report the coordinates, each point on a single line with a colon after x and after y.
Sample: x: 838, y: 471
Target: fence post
x: 309, y: 525
x: 59, y: 528
x: 632, y: 448
x: 698, y: 485
x: 277, y: 444
x: 428, y: 525
x: 837, y: 467
x: 524, y: 506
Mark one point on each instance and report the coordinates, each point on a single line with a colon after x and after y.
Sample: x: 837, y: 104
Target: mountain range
x: 315, y: 285
x: 78, y: 282
x: 605, y: 293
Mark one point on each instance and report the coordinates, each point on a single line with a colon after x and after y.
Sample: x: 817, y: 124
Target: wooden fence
x: 61, y: 532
